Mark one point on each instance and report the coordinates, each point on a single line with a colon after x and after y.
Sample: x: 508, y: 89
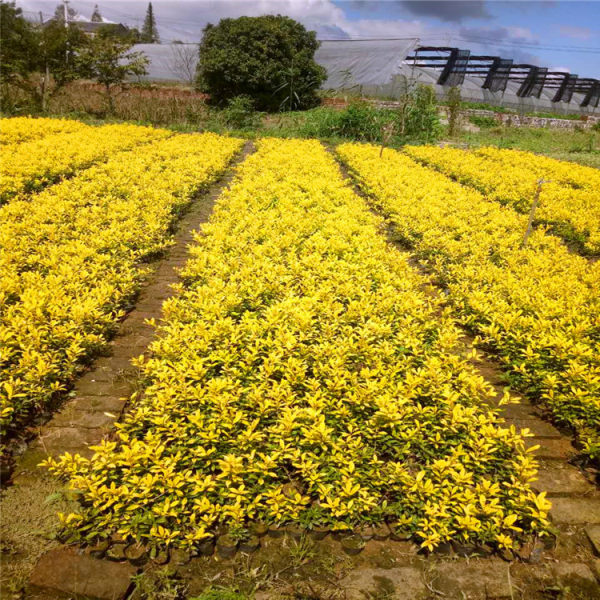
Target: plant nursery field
x: 307, y: 372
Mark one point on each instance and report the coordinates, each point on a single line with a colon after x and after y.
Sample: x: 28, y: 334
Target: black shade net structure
x: 498, y: 74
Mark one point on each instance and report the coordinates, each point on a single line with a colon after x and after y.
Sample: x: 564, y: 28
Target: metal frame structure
x: 454, y: 64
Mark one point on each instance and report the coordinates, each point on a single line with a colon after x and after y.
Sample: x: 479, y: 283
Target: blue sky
x: 562, y: 35
x: 558, y: 34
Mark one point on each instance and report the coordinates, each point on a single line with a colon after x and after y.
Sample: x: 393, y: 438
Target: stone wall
x: 515, y: 120
x: 510, y: 119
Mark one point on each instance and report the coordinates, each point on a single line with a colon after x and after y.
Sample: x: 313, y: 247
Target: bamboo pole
x: 386, y: 134
x: 534, y: 205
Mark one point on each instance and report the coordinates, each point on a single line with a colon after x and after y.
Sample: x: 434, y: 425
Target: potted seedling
x: 247, y: 542
x: 206, y: 547
x: 258, y: 528
x: 226, y: 546
x: 353, y: 544
x: 250, y: 544
x: 312, y: 520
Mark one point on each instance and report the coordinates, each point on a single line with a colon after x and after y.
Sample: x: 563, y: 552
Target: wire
x: 532, y: 46
x: 465, y: 38
x: 473, y: 41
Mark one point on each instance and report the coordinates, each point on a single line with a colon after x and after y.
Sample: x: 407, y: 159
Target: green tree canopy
x: 37, y: 60
x: 119, y: 31
x: 19, y: 47
x: 109, y: 61
x: 59, y: 13
x: 269, y: 58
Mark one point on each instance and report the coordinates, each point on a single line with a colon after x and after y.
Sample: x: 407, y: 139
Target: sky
x: 562, y: 35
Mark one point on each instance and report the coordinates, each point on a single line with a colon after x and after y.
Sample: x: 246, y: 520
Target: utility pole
x: 66, y: 8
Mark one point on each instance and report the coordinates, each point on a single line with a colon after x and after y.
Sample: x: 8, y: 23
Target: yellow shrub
x: 538, y: 307
x: 559, y: 171
x: 30, y: 166
x: 22, y: 129
x: 572, y: 213
x: 304, y: 376
x: 70, y: 260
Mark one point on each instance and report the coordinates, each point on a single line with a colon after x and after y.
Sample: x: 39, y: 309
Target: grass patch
x: 580, y: 146
x: 29, y: 527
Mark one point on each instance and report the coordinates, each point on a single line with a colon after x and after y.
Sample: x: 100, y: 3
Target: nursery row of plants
x: 22, y: 129
x: 569, y: 198
x: 304, y: 376
x: 30, y: 165
x: 71, y: 256
x: 578, y: 176
x: 536, y: 307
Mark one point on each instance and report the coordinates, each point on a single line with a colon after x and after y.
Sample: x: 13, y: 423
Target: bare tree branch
x: 183, y: 61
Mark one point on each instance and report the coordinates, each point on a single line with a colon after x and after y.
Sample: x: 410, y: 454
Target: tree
x: 59, y: 13
x: 56, y: 65
x: 96, y: 16
x: 149, y: 30
x: 109, y: 61
x: 183, y: 61
x: 269, y: 58
x: 119, y: 31
x: 39, y: 61
x: 18, y: 54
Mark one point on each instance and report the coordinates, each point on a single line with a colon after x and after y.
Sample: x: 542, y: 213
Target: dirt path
x: 30, y: 504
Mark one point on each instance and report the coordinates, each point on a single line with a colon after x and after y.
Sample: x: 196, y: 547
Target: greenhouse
x: 388, y: 68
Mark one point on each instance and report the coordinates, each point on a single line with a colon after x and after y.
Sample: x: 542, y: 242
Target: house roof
x: 90, y: 26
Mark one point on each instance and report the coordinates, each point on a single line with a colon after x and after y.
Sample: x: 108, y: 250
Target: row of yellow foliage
x: 22, y: 129
x: 537, y: 308
x: 544, y: 167
x: 304, y: 376
x: 572, y: 212
x: 29, y: 166
x: 70, y: 257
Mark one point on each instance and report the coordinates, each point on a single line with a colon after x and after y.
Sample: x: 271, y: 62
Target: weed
x: 301, y: 552
x: 161, y: 584
x: 221, y: 593
x: 454, y: 103
x: 240, y: 113
x: 483, y: 122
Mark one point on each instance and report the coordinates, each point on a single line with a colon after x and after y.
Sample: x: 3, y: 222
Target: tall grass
x: 159, y: 105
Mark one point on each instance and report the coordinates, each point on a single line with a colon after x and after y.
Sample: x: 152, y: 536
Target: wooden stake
x: 386, y: 134
x: 534, y: 206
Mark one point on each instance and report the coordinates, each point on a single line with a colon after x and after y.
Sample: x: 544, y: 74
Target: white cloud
x: 185, y: 19
x: 579, y: 33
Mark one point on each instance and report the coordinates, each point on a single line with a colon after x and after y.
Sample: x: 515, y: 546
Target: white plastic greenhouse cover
x: 365, y: 62
x: 376, y: 68
x: 161, y: 56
